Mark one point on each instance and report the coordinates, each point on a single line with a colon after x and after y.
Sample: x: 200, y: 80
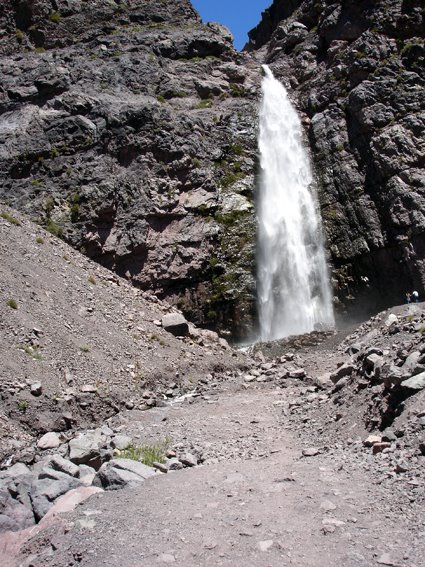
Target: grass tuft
x: 9, y: 218
x: 146, y: 454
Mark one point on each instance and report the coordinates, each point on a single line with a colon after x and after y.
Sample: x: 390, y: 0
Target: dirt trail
x: 255, y: 502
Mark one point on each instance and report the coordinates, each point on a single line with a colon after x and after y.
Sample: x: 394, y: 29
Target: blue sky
x: 239, y: 16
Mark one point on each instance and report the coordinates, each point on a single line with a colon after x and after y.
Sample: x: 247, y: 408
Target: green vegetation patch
x: 12, y: 303
x: 10, y: 219
x: 146, y: 454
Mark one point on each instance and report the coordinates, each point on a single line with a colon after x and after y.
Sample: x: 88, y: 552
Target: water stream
x: 294, y: 294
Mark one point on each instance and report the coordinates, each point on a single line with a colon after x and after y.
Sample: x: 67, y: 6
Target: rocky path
x: 256, y: 500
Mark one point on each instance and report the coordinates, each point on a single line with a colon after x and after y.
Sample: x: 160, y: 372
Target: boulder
x: 86, y: 449
x: 44, y: 492
x: 189, y: 460
x: 176, y: 324
x: 49, y: 441
x: 416, y: 382
x: 58, y: 463
x: 122, y: 473
x: 14, y: 516
x: 344, y: 370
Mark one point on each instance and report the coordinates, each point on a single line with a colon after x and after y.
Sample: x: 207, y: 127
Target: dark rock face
x: 356, y: 71
x: 127, y: 127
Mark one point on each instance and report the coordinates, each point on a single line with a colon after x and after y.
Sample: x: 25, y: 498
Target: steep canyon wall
x: 129, y: 127
x: 356, y: 72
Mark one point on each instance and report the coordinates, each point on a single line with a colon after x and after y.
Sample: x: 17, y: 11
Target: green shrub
x: 19, y: 35
x: 39, y: 240
x: 55, y: 16
x: 236, y: 90
x: 160, y: 99
x: 10, y: 219
x: 12, y: 303
x: 75, y: 207
x: 85, y: 348
x: 204, y: 104
x: 54, y: 228
x: 23, y: 405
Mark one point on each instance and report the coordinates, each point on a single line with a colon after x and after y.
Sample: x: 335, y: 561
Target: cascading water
x: 294, y: 294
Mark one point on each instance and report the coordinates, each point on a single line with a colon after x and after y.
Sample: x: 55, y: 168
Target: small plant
x: 75, y: 207
x: 146, y: 454
x: 236, y: 149
x: 12, y: 303
x: 236, y: 91
x: 36, y: 183
x: 55, y: 16
x: 10, y: 219
x: 23, y: 405
x: 39, y: 50
x: 19, y: 35
x: 39, y: 240
x: 32, y: 351
x: 160, y: 99
x: 54, y: 152
x: 92, y: 280
x: 84, y: 348
x: 204, y: 104
x: 54, y: 228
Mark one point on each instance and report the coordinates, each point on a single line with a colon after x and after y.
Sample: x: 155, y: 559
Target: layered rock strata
x: 127, y: 127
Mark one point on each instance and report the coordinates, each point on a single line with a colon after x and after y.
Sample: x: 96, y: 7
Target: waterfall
x: 294, y: 295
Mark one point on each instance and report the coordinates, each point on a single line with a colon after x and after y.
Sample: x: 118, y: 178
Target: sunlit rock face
x: 129, y: 127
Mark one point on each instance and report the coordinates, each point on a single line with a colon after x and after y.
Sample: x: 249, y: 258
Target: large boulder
x: 45, y: 491
x: 14, y: 516
x: 176, y: 324
x: 122, y: 473
x: 86, y: 449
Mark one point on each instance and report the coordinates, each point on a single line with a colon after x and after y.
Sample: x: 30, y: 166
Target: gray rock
x: 176, y: 324
x: 310, y: 452
x: 121, y: 442
x: 17, y: 469
x: 36, y: 389
x: 344, y: 370
x: 415, y: 382
x: 49, y: 441
x: 122, y: 473
x: 188, y: 460
x: 173, y: 464
x: 14, y: 516
x: 45, y: 491
x: 162, y: 467
x: 85, y: 449
x: 63, y: 465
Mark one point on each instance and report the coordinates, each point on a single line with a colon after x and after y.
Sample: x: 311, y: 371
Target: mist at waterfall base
x: 294, y: 295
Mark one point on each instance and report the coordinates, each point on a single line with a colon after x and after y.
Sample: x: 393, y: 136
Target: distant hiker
x: 415, y: 296
x: 408, y: 297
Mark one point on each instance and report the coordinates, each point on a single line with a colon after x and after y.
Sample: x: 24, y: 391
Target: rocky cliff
x: 129, y: 128
x: 126, y: 127
x: 356, y: 72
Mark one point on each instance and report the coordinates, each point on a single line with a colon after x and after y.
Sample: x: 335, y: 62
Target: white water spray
x: 293, y: 285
